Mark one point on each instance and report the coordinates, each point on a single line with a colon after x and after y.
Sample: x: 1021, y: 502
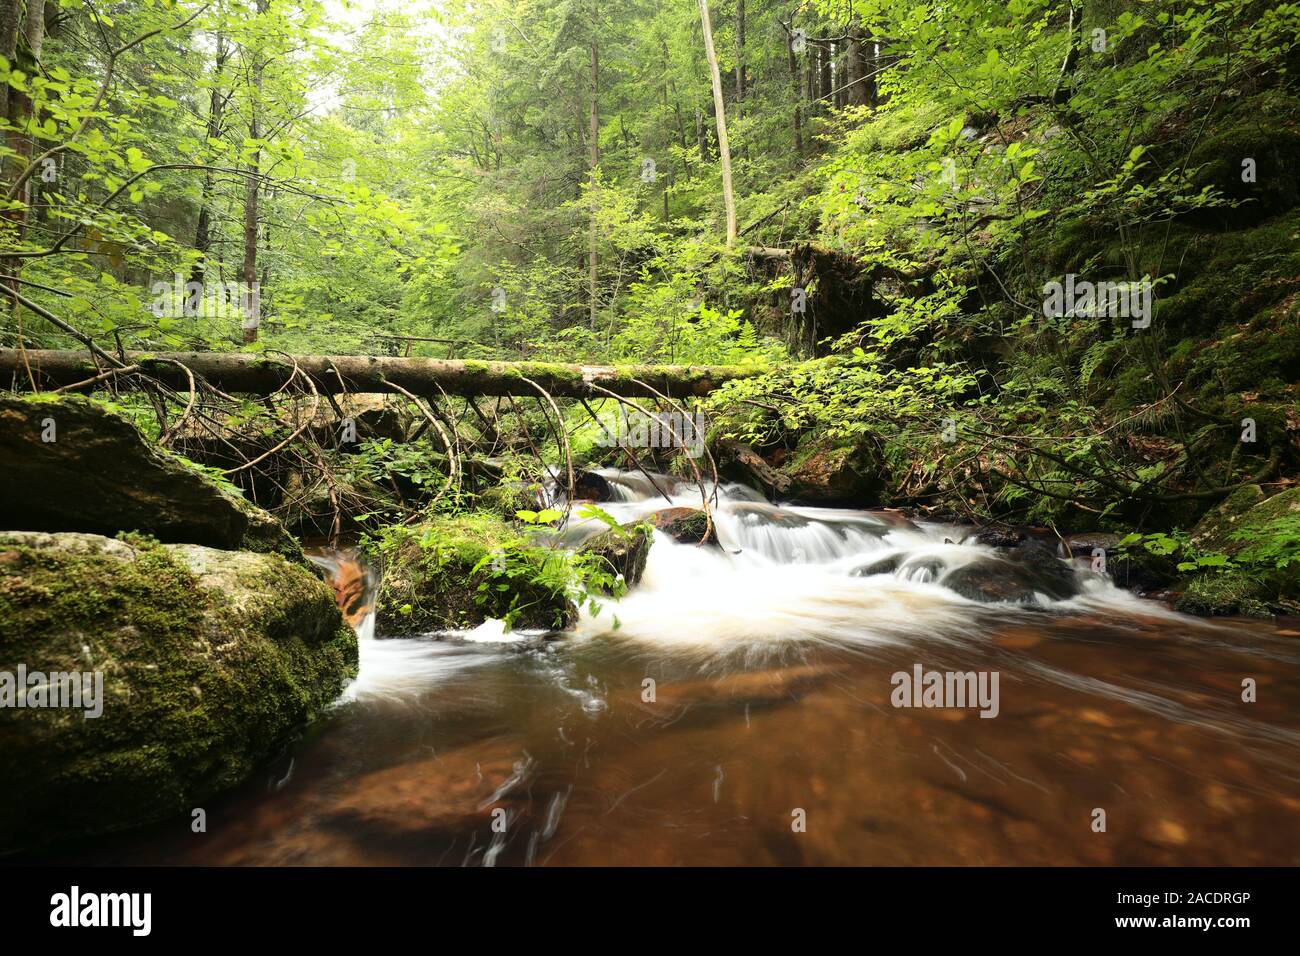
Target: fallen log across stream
x: 263, y: 374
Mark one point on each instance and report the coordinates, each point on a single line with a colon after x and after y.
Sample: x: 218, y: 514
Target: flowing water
x: 738, y: 708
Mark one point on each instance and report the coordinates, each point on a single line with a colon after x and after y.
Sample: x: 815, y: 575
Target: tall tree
x: 720, y: 113
x: 593, y: 157
x: 216, y: 107
x: 251, y: 194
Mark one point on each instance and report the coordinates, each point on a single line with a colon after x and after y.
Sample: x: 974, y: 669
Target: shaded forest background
x: 548, y: 181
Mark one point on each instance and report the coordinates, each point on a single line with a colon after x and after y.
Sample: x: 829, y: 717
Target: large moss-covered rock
x: 456, y: 572
x: 1261, y: 535
x: 69, y: 464
x: 1213, y: 532
x: 511, y: 497
x: 827, y: 471
x: 210, y: 661
x: 1212, y: 594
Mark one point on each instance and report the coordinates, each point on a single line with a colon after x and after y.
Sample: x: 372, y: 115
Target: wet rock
x: 98, y: 475
x: 922, y: 569
x: 685, y: 525
x: 1000, y: 537
x: 590, y: 486
x: 886, y: 565
x: 623, y: 551
x: 989, y: 579
x: 740, y: 463
x: 826, y: 471
x: 453, y: 572
x: 1134, y: 567
x: 210, y: 661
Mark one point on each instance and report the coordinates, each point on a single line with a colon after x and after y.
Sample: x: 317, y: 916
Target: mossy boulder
x: 69, y: 464
x: 452, y: 572
x: 210, y: 661
x: 509, y: 498
x: 623, y: 550
x: 1261, y: 535
x: 828, y: 471
x: 1212, y: 594
x: 685, y: 525
x: 1213, y: 531
x: 1261, y: 128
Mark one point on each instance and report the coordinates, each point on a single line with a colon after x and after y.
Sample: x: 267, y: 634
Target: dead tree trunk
x: 261, y: 375
x: 724, y: 149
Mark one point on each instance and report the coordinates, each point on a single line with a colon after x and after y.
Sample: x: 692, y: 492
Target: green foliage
x: 435, y: 174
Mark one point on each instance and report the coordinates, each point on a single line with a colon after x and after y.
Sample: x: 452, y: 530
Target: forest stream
x: 737, y: 707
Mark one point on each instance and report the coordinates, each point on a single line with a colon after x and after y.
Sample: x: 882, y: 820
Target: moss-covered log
x: 263, y: 374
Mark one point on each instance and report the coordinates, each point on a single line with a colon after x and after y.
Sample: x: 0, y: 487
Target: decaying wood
x: 267, y: 374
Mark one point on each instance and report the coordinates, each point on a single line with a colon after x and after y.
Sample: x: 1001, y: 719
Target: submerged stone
x: 990, y: 579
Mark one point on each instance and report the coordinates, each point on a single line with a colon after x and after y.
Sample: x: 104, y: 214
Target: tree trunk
x: 19, y: 105
x: 724, y: 150
x: 796, y: 89
x: 593, y: 156
x: 251, y: 193
x: 740, y: 51
x: 216, y: 106
x: 825, y: 83
x: 11, y: 16
x: 702, y: 136
x: 259, y: 375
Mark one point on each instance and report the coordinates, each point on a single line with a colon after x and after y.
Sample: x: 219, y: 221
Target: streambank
x: 210, y: 655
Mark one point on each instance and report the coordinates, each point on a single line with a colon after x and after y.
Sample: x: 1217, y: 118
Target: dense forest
x: 1022, y: 266
x: 866, y: 200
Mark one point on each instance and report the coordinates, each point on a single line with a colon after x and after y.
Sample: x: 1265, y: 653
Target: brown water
x: 558, y: 736
x: 771, y: 736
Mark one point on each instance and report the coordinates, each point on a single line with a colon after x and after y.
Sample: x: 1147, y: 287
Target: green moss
x: 507, y: 500
x: 206, y: 673
x: 623, y: 552
x: 1263, y: 128
x: 1227, y: 593
x: 1212, y: 531
x: 430, y: 581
